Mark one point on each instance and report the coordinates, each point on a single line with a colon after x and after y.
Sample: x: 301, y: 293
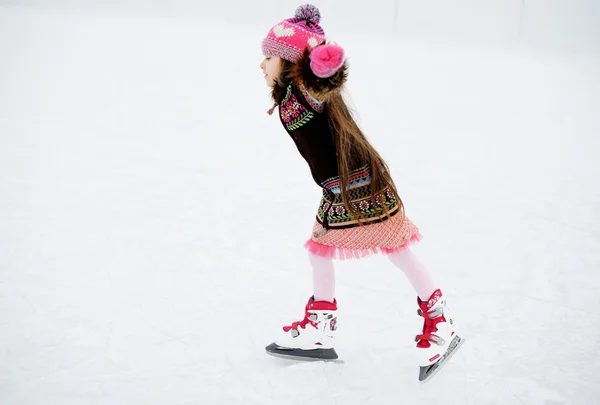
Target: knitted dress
x: 335, y: 233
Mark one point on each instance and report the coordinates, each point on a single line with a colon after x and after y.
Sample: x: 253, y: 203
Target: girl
x: 360, y: 212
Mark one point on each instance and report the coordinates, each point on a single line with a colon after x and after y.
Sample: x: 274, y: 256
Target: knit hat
x: 290, y: 38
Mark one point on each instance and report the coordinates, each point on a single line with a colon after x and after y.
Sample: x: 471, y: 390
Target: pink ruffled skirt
x: 389, y: 236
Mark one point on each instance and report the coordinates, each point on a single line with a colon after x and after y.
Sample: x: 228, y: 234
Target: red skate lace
x: 429, y: 326
x: 301, y: 323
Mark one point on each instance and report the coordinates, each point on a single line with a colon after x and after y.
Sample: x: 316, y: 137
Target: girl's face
x: 271, y: 67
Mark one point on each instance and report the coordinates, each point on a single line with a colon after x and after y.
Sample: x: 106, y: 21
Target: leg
x: 438, y: 340
x: 415, y: 271
x: 323, y: 277
x: 314, y: 336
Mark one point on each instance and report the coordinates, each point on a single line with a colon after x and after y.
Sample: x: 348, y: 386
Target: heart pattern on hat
x: 281, y: 31
x: 290, y: 38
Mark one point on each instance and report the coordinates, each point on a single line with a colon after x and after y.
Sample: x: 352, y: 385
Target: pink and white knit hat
x: 290, y: 38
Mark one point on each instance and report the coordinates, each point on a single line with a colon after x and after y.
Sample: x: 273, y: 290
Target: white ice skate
x: 312, y: 338
x: 439, y: 340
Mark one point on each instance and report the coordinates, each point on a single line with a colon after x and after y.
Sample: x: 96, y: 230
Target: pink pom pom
x: 325, y: 60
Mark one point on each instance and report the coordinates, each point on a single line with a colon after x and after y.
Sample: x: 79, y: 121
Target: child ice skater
x: 361, y: 212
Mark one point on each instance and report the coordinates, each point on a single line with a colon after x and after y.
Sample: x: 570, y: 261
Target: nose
x: 262, y: 65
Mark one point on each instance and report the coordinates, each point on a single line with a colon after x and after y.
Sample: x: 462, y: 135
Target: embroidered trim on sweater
x: 357, y: 178
x: 293, y: 113
x: 332, y: 212
x: 314, y: 103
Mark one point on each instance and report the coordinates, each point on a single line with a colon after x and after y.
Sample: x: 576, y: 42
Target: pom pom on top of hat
x: 308, y: 13
x: 326, y: 59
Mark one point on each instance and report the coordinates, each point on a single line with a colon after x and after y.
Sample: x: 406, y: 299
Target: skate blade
x: 425, y: 373
x: 298, y: 354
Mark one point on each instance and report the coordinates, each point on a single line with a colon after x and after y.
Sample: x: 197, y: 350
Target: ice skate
x: 439, y: 340
x: 311, y: 338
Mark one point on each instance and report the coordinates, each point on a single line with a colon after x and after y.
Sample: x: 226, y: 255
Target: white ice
x: 152, y: 217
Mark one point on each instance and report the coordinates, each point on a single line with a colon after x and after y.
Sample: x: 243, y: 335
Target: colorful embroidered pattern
x: 357, y: 178
x: 293, y: 113
x: 334, y: 214
x: 319, y: 106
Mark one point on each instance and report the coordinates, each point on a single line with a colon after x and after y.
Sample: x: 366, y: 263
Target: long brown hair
x: 353, y: 148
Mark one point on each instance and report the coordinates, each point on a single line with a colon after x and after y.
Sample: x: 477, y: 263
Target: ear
x: 325, y: 60
x: 320, y: 88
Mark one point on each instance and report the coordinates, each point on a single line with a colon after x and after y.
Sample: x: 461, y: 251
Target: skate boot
x: 311, y: 338
x: 439, y: 340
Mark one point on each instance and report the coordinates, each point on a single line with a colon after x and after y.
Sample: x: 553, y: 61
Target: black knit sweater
x: 303, y: 110
x: 307, y: 124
